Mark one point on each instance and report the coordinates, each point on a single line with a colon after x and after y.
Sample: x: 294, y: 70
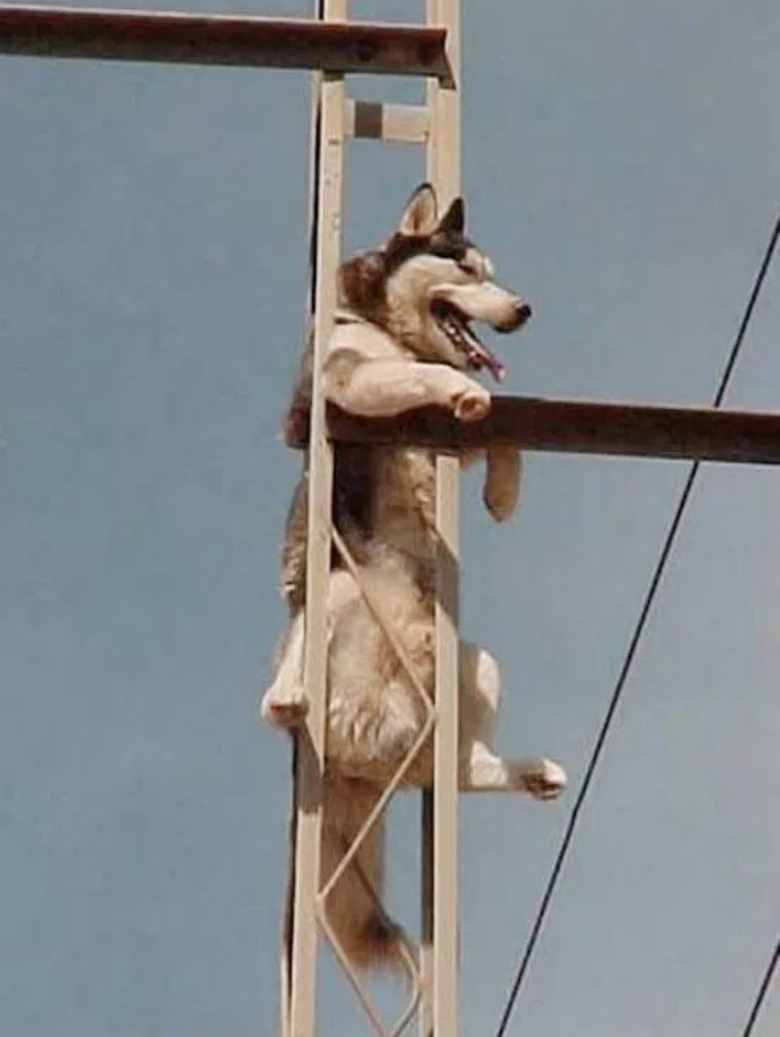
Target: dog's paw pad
x: 472, y: 405
x: 545, y: 780
x: 288, y: 714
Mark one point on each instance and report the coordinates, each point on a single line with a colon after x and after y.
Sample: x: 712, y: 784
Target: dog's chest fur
x: 383, y: 500
x: 404, y: 501
x: 383, y: 497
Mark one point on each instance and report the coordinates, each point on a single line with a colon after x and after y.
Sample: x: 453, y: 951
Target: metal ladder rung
x: 399, y: 123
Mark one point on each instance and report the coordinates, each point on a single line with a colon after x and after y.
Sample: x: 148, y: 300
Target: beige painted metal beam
x: 440, y: 869
x: 584, y: 427
x: 299, y: 1017
x: 211, y: 39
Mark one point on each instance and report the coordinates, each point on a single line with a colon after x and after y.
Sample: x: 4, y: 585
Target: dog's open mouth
x: 457, y: 327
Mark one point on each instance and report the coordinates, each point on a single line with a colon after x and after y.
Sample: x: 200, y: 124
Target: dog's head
x: 424, y: 287
x: 427, y: 285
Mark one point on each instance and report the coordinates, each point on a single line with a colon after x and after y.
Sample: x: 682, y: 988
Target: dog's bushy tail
x: 370, y: 939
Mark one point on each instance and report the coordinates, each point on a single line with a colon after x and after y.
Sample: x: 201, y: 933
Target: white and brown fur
x: 389, y: 353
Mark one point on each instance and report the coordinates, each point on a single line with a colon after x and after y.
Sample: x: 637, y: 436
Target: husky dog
x: 402, y: 339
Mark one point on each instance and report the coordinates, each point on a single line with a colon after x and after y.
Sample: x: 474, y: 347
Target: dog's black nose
x: 523, y: 312
x: 520, y: 313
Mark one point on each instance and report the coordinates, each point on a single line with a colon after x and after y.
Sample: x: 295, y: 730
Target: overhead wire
x: 634, y: 642
x: 762, y: 991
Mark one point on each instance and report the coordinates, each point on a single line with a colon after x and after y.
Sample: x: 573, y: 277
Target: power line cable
x: 762, y: 991
x: 633, y: 646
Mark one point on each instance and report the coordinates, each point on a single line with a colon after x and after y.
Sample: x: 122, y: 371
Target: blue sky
x: 621, y: 163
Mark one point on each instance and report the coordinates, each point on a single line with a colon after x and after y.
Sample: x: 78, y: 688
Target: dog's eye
x: 468, y: 266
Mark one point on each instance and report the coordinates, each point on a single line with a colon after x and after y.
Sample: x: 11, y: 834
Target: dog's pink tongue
x: 484, y: 358
x: 496, y: 368
x: 480, y: 356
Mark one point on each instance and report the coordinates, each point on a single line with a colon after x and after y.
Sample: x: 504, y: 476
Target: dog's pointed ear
x: 419, y: 217
x: 454, y: 219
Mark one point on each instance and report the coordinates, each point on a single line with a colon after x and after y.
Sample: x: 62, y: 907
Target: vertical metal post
x: 327, y: 175
x: 440, y: 855
x: 426, y: 912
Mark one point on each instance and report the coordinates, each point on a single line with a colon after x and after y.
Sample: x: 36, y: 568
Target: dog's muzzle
x: 522, y: 313
x: 455, y: 307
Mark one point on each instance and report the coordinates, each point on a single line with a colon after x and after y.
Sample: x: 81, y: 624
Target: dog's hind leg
x: 481, y: 769
x: 284, y: 704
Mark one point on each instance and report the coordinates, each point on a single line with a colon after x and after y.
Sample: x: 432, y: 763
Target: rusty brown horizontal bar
x: 582, y: 427
x: 209, y: 39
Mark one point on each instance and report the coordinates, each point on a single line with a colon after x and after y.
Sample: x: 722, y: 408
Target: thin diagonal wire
x: 636, y: 637
x: 762, y: 991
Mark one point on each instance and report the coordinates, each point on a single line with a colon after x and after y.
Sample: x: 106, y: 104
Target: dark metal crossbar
x: 582, y: 427
x: 209, y: 39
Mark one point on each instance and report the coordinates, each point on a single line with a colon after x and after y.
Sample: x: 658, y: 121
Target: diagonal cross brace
x: 350, y: 855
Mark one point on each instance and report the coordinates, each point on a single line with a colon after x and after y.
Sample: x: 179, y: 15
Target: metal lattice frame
x: 433, y: 971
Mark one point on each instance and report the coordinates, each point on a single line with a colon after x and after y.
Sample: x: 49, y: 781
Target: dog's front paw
x: 499, y: 502
x: 544, y: 779
x: 471, y: 403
